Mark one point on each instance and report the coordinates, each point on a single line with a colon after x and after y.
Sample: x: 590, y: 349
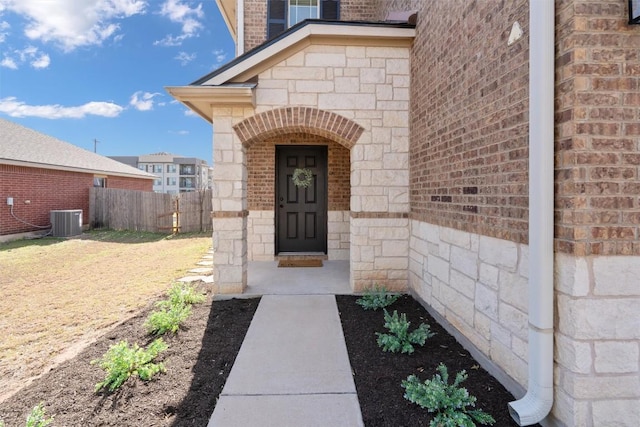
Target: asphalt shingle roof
x: 27, y: 147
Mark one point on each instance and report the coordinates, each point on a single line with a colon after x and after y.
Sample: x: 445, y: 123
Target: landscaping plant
x: 449, y: 402
x: 400, y: 339
x: 182, y: 294
x: 37, y: 417
x: 174, y: 310
x: 121, y: 362
x: 377, y: 297
x: 167, y: 319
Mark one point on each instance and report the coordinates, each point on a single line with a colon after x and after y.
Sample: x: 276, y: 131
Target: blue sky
x: 81, y: 70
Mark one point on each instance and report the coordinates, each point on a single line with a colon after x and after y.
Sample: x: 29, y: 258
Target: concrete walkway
x: 293, y: 368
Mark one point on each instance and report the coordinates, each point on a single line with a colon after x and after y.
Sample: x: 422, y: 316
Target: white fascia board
x: 339, y: 34
x: 202, y: 99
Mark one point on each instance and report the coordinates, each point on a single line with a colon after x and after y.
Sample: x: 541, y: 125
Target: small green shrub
x: 37, y: 417
x: 1, y: 423
x: 448, y: 402
x: 181, y: 294
x: 121, y: 362
x: 400, y: 339
x: 376, y: 297
x: 167, y: 320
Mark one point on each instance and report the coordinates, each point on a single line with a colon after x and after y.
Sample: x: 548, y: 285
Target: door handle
x: 282, y: 206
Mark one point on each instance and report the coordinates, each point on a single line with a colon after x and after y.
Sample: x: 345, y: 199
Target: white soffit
x: 202, y: 99
x: 228, y: 11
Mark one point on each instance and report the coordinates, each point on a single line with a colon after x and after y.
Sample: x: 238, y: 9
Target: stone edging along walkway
x: 204, y: 271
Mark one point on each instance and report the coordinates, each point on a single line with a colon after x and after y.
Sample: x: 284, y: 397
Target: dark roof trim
x: 290, y: 31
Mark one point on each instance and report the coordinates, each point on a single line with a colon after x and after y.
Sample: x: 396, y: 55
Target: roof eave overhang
x: 73, y: 169
x: 228, y: 11
x: 202, y: 99
x: 312, y: 33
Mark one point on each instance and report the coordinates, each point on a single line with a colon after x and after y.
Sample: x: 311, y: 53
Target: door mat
x: 300, y: 263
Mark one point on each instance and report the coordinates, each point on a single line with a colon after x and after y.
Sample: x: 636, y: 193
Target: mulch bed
x: 378, y: 374
x: 198, y: 363
x: 200, y: 357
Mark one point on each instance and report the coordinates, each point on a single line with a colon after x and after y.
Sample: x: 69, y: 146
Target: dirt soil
x: 198, y: 361
x: 58, y: 295
x: 201, y: 355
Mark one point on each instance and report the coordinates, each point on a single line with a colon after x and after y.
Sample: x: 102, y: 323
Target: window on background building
x: 171, y: 168
x: 100, y: 182
x: 186, y: 183
x: 187, y: 169
x: 157, y: 182
x: 281, y: 14
x: 157, y: 168
x: 142, y: 167
x: 171, y: 181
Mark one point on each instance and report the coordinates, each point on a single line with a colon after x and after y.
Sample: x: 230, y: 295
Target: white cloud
x: 30, y: 54
x: 185, y: 58
x: 220, y: 56
x: 170, y: 40
x: 42, y: 61
x: 73, y: 23
x: 143, y: 101
x: 4, y: 29
x: 8, y: 63
x: 14, y: 108
x: 184, y: 15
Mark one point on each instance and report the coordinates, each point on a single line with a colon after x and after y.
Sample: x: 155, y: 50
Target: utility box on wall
x: 66, y: 223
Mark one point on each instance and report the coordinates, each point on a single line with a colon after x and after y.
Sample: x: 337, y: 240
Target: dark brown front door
x: 301, y: 213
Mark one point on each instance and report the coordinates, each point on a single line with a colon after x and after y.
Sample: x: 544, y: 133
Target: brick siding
x: 360, y: 10
x: 261, y: 171
x: 299, y: 119
x: 37, y: 191
x: 255, y: 23
x: 597, y: 130
x: 255, y: 17
x: 469, y: 133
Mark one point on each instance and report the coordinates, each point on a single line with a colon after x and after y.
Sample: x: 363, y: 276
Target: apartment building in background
x: 175, y: 174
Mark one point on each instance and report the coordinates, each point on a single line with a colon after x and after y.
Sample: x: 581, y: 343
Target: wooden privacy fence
x: 146, y: 211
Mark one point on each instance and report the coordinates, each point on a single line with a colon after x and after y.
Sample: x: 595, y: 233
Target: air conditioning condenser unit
x: 66, y: 223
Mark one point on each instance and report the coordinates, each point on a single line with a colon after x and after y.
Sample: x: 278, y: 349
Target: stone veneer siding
x: 479, y: 285
x: 366, y: 88
x: 261, y: 158
x: 469, y: 135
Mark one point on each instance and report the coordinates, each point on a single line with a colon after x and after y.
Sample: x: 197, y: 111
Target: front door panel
x: 301, y: 213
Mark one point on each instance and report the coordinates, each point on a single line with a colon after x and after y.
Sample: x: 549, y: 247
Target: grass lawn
x: 58, y: 295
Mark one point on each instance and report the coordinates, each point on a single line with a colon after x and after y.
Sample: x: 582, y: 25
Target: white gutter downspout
x: 240, y: 29
x: 537, y: 403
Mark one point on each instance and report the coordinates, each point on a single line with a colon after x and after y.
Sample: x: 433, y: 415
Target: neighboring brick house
x: 41, y: 173
x: 427, y: 131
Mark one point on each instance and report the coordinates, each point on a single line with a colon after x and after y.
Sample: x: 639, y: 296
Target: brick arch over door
x: 281, y: 121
